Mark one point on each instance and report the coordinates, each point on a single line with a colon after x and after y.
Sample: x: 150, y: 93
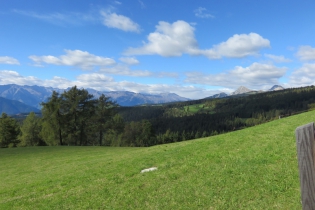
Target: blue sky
x: 192, y: 48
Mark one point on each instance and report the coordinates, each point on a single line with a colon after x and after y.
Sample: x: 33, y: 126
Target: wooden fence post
x: 306, y: 160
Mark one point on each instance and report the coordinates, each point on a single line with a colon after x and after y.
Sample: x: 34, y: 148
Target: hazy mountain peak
x: 11, y: 107
x: 276, y: 87
x: 219, y: 95
x: 241, y: 90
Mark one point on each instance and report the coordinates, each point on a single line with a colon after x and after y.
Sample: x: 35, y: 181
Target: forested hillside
x: 192, y: 119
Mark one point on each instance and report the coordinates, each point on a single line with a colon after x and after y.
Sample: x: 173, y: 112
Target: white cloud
x: 95, y: 81
x: 201, y: 12
x: 78, y: 58
x: 121, y: 69
x: 255, y: 76
x: 129, y: 60
x: 239, y: 45
x: 95, y: 77
x: 107, y: 18
x: 278, y: 58
x: 9, y: 60
x: 303, y: 76
x: 168, y: 40
x: 84, y: 80
x: 112, y: 20
x: 306, y: 53
x: 178, y: 38
x: 12, y: 77
x: 87, y: 61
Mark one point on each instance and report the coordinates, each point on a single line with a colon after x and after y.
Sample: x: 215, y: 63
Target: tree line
x: 76, y: 117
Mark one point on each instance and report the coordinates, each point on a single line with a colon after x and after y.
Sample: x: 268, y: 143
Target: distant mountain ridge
x: 219, y: 95
x: 34, y: 95
x: 127, y: 98
x: 12, y: 107
x: 29, y: 95
x: 242, y: 90
x: 276, y: 87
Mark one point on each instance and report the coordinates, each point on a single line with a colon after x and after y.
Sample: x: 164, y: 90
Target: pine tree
x: 77, y: 107
x: 104, y: 115
x: 76, y: 118
x: 30, y: 131
x: 52, y: 119
x: 9, y: 131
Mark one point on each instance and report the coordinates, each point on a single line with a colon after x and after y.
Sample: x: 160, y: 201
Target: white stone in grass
x: 148, y: 169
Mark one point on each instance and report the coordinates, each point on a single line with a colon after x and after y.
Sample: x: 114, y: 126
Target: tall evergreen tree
x: 30, y: 131
x: 78, y: 108
x: 76, y: 118
x: 52, y: 120
x: 9, y: 131
x: 104, y: 115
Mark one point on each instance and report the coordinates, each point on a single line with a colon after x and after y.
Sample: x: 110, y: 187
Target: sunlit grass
x: 196, y: 108
x: 254, y: 168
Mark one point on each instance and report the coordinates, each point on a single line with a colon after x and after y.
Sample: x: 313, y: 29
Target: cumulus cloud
x: 84, y: 80
x: 254, y: 76
x: 178, y: 38
x: 12, y: 77
x: 306, y: 53
x: 168, y: 40
x: 87, y: 61
x: 303, y: 76
x: 277, y: 58
x: 78, y: 58
x: 129, y: 60
x: 9, y: 60
x: 238, y: 46
x: 201, y: 12
x: 97, y: 81
x: 112, y: 20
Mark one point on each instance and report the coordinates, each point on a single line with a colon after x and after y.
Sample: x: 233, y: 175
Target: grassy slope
x: 255, y: 168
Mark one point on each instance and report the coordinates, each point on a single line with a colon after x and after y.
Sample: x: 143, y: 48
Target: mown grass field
x: 254, y: 168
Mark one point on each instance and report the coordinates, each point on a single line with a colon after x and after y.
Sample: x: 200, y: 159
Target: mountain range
x: 245, y: 91
x: 29, y: 95
x: 16, y: 99
x: 126, y: 98
x: 33, y: 95
x: 219, y: 95
x: 12, y: 107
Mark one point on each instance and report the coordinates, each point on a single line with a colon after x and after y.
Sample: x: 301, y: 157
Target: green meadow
x: 254, y: 168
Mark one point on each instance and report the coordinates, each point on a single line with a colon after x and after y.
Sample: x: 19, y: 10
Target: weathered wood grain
x: 306, y: 160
